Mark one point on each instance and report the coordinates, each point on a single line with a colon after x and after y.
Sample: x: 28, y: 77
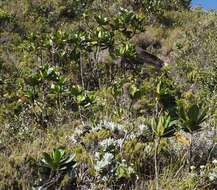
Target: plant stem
x: 157, y: 143
x: 81, y: 71
x: 190, y: 152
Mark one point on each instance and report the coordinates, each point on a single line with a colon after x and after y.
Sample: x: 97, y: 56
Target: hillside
x: 107, y: 95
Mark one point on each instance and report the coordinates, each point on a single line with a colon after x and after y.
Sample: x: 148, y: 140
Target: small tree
x: 161, y: 127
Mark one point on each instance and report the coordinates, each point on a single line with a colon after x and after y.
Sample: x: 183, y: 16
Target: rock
x: 5, y: 39
x: 142, y: 58
x: 203, y: 146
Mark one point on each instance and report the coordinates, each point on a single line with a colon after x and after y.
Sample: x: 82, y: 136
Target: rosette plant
x: 191, y: 118
x: 55, y: 166
x: 58, y: 160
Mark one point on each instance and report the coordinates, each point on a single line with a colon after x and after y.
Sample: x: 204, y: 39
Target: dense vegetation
x: 107, y: 95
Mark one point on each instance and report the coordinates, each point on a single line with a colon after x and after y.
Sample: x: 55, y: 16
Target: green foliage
x: 102, y: 38
x: 192, y: 117
x: 153, y: 6
x: 167, y: 95
x: 58, y: 160
x: 82, y: 98
x: 4, y: 16
x: 69, y: 77
x: 128, y: 22
x: 156, y: 6
x: 7, y: 21
x: 124, y: 172
x: 126, y: 50
x: 163, y: 126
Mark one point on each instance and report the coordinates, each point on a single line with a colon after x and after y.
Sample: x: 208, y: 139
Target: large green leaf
x: 48, y: 161
x: 191, y: 118
x: 57, y: 155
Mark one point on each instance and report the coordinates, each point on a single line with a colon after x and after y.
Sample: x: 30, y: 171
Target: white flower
x: 108, y: 143
x: 212, y: 176
x: 202, y: 167
x: 192, y: 167
x: 114, y: 127
x: 119, y: 142
x: 142, y: 128
x: 78, y: 131
x: 97, y: 155
x: 72, y: 139
x: 131, y: 136
x: 214, y: 161
x: 108, y: 157
x: 106, y: 160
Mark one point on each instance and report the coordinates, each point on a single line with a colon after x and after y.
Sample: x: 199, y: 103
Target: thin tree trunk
x: 81, y: 72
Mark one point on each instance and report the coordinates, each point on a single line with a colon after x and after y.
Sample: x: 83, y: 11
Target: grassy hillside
x: 107, y: 95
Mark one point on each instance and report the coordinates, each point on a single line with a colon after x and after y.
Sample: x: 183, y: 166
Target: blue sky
x: 206, y: 4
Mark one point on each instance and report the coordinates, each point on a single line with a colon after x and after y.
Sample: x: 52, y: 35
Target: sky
x: 206, y: 4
